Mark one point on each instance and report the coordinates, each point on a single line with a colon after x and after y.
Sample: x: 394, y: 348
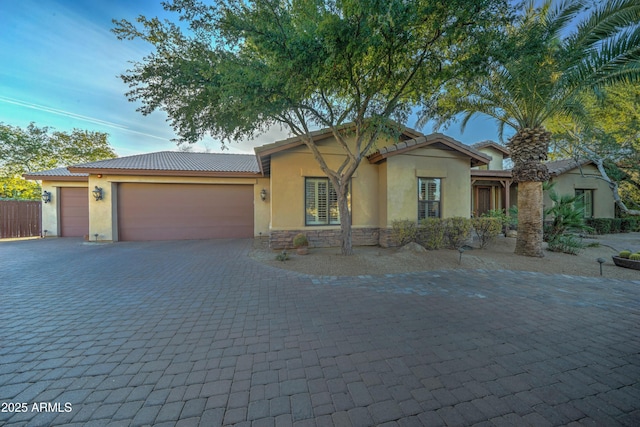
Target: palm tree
x: 542, y: 65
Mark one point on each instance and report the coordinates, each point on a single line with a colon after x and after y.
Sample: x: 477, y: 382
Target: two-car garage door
x: 184, y: 211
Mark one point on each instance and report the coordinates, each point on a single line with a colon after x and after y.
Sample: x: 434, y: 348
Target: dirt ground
x: 497, y: 256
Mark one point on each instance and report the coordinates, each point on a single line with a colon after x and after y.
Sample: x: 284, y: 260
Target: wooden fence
x: 20, y: 218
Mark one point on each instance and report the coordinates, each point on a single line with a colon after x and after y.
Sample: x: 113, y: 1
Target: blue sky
x: 59, y: 68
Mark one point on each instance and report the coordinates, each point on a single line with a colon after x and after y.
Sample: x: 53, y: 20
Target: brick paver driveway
x: 195, y: 333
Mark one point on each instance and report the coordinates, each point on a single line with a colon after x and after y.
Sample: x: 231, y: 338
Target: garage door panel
x: 183, y: 211
x: 74, y: 212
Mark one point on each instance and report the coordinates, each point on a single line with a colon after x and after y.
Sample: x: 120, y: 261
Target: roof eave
x: 56, y: 178
x: 156, y: 172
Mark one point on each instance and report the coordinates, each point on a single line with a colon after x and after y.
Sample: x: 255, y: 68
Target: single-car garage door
x: 184, y: 211
x: 74, y: 212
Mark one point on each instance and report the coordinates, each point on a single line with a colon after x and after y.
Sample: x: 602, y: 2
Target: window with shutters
x: 429, y: 198
x: 321, y: 202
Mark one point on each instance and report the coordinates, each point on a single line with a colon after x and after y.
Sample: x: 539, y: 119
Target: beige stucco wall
x: 567, y: 183
x: 404, y: 170
x: 496, y: 158
x: 381, y: 193
x: 50, y: 217
x: 288, y: 172
x: 103, y: 213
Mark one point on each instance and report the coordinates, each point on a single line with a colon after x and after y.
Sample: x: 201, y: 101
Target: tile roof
x: 492, y: 144
x: 558, y: 167
x: 178, y: 162
x: 477, y: 157
x: 60, y: 174
x: 56, y: 172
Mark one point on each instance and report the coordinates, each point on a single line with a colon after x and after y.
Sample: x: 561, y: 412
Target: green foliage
x: 487, y: 229
x: 567, y: 243
x: 282, y: 256
x: 35, y: 149
x: 300, y: 240
x: 634, y: 257
x: 612, y: 134
x: 600, y: 225
x: 624, y: 254
x: 457, y: 232
x: 431, y: 233
x: 568, y: 215
x: 403, y: 231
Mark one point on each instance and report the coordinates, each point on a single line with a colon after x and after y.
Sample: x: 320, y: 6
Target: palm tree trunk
x: 529, y: 240
x: 528, y: 151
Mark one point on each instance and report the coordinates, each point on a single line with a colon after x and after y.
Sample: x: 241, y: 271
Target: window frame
x: 427, y: 202
x: 330, y: 189
x: 581, y: 192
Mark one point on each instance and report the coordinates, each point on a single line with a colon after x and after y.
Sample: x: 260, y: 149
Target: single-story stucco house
x: 281, y: 191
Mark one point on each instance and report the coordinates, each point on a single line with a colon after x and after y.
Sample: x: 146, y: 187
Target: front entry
x: 483, y: 200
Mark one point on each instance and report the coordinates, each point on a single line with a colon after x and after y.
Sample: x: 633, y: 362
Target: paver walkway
x: 196, y: 333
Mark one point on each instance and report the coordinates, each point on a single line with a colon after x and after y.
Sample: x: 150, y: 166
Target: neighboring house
x: 494, y: 189
x: 281, y: 191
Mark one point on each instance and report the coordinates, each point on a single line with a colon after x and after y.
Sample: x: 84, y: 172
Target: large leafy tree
x: 234, y: 68
x: 40, y: 148
x: 546, y: 61
x: 611, y: 140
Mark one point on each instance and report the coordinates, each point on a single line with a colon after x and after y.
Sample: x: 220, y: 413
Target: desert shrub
x: 457, y: 231
x: 634, y: 257
x: 566, y: 243
x: 431, y: 233
x: 600, y: 225
x: 616, y: 225
x: 624, y: 254
x: 487, y: 229
x: 627, y: 225
x: 404, y: 231
x: 300, y: 240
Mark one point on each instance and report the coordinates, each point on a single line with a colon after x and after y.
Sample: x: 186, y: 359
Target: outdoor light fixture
x: 601, y: 261
x: 263, y: 194
x: 97, y: 193
x: 46, y: 196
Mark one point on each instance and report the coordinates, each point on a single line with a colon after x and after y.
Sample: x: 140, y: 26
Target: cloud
x: 72, y: 115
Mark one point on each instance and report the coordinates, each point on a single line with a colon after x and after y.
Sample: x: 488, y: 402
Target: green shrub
x: 457, y: 231
x: 600, y: 225
x: 403, y: 231
x: 624, y: 254
x: 487, y: 229
x: 634, y: 257
x: 566, y: 243
x: 431, y: 233
x: 616, y: 225
x: 568, y: 215
x: 300, y: 240
x: 627, y: 225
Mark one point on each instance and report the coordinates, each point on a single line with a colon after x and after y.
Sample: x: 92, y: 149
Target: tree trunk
x: 529, y: 240
x: 346, y: 245
x: 529, y: 149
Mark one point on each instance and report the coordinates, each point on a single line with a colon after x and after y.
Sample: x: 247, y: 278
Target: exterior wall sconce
x: 97, y: 193
x: 263, y: 195
x: 46, y: 196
